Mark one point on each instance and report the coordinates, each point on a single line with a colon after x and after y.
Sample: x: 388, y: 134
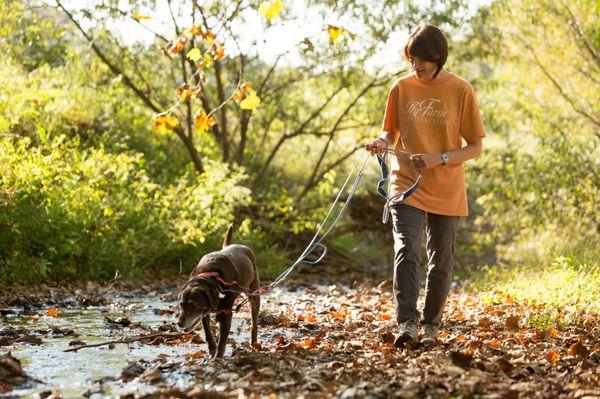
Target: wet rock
x: 13, y: 332
x: 269, y: 319
x: 58, y: 332
x: 120, y: 322
x: 11, y: 372
x: 93, y: 301
x: 163, y: 312
x: 131, y: 371
x: 153, y: 375
x: 50, y: 395
x: 29, y: 339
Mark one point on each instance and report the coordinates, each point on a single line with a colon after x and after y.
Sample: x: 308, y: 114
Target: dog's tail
x: 228, y: 235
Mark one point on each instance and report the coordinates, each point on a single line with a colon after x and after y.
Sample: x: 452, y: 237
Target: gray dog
x: 234, y: 269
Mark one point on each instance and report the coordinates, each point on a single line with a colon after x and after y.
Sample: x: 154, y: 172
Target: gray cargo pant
x: 441, y: 234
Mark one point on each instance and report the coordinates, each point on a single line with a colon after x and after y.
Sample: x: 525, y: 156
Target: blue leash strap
x: 397, y: 197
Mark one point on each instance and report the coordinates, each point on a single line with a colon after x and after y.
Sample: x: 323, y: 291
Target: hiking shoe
x: 430, y: 334
x: 409, y: 333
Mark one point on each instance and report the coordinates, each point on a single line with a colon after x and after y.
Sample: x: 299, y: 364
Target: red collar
x: 214, y: 275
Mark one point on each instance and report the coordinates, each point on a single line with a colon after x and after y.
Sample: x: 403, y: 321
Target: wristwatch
x: 444, y: 158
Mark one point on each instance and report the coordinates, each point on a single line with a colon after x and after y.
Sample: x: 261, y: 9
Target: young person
x: 428, y: 114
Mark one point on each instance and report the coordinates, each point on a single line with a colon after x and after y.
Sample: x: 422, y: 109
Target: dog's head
x: 196, y: 300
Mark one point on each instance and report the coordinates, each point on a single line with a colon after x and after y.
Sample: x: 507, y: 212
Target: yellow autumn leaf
x: 194, y: 30
x: 334, y: 33
x: 251, y: 101
x: 138, y: 17
x: 203, y: 122
x: 165, y: 123
x: 218, y: 51
x: 194, y: 54
x: 207, y: 60
x: 178, y: 45
x: 271, y: 10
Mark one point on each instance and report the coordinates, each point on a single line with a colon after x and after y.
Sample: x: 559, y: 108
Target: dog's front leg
x: 224, y: 320
x: 210, y: 340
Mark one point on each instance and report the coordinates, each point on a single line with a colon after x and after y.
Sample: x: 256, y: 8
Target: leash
x: 316, y: 241
x: 391, y: 199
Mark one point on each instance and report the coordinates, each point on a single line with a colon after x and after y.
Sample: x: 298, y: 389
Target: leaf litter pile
x: 335, y: 341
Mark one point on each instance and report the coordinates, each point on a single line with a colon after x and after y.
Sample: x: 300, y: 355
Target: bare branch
x: 261, y: 173
x: 312, y: 179
x: 143, y: 96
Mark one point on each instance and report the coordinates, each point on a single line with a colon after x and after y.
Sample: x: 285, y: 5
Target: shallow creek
x: 93, y: 372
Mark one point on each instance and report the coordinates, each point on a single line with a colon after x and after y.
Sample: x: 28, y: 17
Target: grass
x: 566, y: 288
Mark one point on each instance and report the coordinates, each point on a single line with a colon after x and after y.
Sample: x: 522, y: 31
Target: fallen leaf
x: 461, y: 358
x: 459, y: 338
x: 578, y: 350
x: 552, y: 356
x: 485, y: 322
x: 504, y: 365
x: 196, y: 355
x: 309, y: 343
x: 512, y: 322
x: 51, y: 312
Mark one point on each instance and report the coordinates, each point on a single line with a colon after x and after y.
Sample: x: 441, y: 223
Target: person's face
x: 423, y: 69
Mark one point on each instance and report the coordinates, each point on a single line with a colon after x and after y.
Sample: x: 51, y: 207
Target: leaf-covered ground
x: 336, y: 341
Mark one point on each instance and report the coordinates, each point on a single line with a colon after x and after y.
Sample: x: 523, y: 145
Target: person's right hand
x: 376, y: 146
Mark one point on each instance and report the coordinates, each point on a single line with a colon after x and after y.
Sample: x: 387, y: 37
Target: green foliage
x: 67, y: 213
x: 35, y: 38
x: 537, y: 183
x: 567, y: 287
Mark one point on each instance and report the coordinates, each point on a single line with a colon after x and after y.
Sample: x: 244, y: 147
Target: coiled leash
x: 316, y: 241
x: 391, y: 199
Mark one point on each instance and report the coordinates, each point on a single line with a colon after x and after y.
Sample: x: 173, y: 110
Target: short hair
x: 429, y: 44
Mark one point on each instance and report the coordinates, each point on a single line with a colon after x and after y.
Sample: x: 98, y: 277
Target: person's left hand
x: 425, y: 161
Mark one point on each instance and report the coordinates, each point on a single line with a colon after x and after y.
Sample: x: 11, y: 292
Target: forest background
x: 133, y: 132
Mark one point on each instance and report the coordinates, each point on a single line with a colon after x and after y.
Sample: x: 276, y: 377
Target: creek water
x: 93, y: 372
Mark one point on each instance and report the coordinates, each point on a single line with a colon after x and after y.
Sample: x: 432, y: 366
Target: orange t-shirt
x: 432, y: 116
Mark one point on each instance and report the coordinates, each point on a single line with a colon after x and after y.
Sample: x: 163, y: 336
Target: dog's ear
x: 213, y: 293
